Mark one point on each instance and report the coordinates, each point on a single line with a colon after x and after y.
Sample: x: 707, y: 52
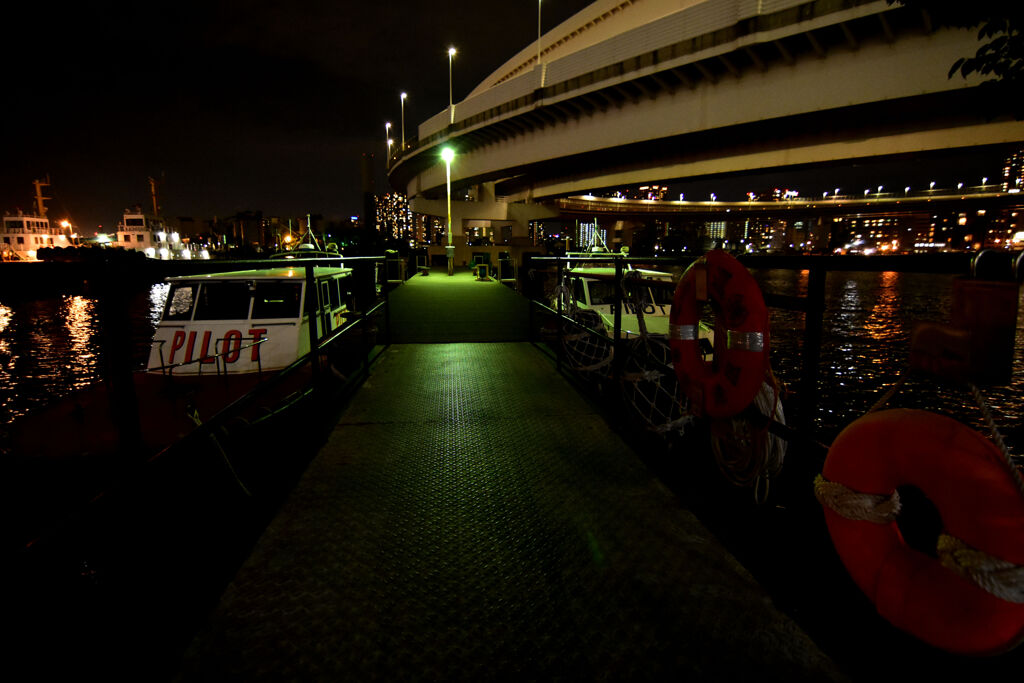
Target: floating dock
x: 473, y: 517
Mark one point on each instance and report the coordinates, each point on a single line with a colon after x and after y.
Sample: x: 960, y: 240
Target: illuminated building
x: 1013, y: 172
x: 394, y: 217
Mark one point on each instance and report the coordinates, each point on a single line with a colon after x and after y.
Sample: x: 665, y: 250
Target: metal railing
x: 812, y: 305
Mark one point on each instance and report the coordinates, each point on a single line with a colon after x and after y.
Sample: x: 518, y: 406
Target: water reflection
x: 50, y: 348
x: 868, y: 322
x: 82, y: 355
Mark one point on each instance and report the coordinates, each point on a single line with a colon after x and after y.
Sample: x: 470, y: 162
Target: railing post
x: 813, y: 323
x: 312, y: 301
x: 561, y: 323
x: 115, y: 327
x: 617, y: 342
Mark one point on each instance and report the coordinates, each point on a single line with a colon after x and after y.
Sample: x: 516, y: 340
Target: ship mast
x: 152, y: 193
x: 40, y: 199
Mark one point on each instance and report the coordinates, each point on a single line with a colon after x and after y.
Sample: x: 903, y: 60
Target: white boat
x: 591, y: 287
x: 247, y: 321
x: 219, y: 337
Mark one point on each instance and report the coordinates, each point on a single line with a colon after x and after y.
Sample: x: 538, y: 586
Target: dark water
x: 868, y: 322
x: 51, y: 347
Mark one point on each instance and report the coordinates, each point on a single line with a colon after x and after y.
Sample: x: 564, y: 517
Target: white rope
x: 768, y: 403
x: 645, y: 376
x: 997, y: 438
x: 679, y: 424
x: 1003, y: 579
x: 861, y: 507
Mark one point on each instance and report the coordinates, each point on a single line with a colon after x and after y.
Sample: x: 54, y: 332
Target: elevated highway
x: 633, y: 91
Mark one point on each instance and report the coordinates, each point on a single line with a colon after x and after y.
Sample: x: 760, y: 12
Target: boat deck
x: 473, y: 517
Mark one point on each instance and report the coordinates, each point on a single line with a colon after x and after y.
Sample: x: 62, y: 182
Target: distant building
x: 1013, y: 172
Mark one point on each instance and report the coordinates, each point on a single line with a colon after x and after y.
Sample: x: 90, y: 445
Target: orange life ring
x: 963, y: 474
x: 729, y: 383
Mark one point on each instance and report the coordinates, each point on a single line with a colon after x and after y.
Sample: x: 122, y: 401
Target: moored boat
x: 590, y: 287
x: 220, y: 335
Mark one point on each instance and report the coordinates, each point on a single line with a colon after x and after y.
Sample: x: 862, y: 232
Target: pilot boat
x: 220, y: 335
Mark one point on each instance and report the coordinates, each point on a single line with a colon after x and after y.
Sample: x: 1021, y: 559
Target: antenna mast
x: 152, y: 193
x: 40, y: 199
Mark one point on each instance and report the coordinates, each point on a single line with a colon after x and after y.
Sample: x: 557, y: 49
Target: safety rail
x: 812, y: 305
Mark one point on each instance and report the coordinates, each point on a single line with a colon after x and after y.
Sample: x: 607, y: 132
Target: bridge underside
x: 883, y: 130
x: 833, y: 88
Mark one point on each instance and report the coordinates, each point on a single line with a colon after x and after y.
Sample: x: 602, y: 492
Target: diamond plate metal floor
x: 473, y: 518
x: 457, y: 308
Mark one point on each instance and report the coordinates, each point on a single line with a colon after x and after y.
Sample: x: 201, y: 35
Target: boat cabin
x: 245, y: 321
x: 593, y: 288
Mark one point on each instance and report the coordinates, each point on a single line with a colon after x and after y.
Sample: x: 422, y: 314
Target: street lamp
x: 390, y: 142
x: 387, y: 139
x: 451, y: 107
x: 402, y: 97
x: 538, y: 31
x: 448, y: 154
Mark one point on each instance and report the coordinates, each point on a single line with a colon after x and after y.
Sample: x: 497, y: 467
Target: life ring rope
x: 853, y: 505
x: 1004, y: 580
x: 1000, y: 578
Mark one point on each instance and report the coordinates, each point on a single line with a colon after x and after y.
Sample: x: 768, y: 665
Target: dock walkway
x: 473, y: 517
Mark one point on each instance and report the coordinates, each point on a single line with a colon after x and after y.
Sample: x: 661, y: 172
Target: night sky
x: 260, y: 105
x: 234, y: 106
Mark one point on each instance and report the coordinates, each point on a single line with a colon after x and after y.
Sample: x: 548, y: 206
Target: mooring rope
x: 997, y: 438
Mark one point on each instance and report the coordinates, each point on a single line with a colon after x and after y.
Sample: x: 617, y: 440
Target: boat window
x: 577, y: 291
x: 663, y: 295
x: 179, y: 302
x: 602, y: 293
x: 335, y: 293
x: 276, y: 299
x: 223, y: 301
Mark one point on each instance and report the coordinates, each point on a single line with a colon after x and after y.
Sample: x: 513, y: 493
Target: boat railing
x: 169, y: 368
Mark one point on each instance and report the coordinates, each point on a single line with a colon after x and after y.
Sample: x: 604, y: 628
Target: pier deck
x: 472, y: 517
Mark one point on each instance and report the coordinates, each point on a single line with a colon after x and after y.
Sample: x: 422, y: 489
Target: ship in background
x: 23, y: 235
x: 150, y: 234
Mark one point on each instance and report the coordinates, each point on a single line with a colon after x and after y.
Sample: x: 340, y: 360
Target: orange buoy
x: 727, y: 384
x: 981, y: 505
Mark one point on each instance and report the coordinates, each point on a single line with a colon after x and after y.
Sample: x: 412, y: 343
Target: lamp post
x: 402, y: 98
x: 538, y: 31
x: 448, y: 154
x: 451, y: 107
x: 387, y: 140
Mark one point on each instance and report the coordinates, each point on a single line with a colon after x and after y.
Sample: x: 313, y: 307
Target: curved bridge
x: 631, y: 91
